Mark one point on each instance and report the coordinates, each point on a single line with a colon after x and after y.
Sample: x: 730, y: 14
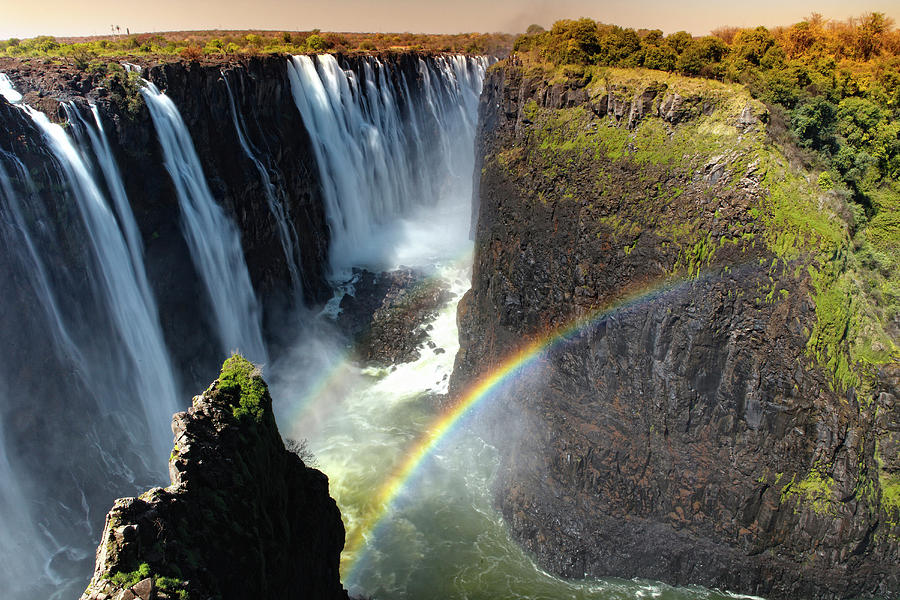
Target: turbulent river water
x: 396, y: 158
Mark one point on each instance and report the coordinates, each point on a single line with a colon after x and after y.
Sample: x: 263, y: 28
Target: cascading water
x: 212, y: 237
x: 395, y: 156
x: 79, y: 305
x: 286, y: 232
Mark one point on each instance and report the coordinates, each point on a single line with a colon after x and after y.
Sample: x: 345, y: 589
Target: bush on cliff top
x: 240, y: 376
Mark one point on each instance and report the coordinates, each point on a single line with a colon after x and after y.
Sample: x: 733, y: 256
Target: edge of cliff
x: 243, y: 517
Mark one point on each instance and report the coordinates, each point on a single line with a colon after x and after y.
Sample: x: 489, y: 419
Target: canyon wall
x: 696, y: 423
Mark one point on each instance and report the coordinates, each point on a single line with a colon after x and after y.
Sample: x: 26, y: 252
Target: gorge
x: 629, y: 392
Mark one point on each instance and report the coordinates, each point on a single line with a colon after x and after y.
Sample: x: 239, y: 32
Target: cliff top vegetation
x: 216, y: 44
x: 832, y: 89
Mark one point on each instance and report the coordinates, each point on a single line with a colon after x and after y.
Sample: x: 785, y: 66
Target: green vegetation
x: 129, y: 579
x: 890, y: 494
x: 832, y: 90
x: 837, y: 83
x: 195, y: 45
x: 123, y: 87
x: 815, y: 491
x: 240, y: 376
x: 562, y: 139
x: 170, y: 585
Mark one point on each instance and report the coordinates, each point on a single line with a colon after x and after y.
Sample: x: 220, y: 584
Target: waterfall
x: 390, y: 145
x: 78, y: 305
x: 124, y: 284
x: 212, y: 237
x: 286, y: 233
x: 86, y: 385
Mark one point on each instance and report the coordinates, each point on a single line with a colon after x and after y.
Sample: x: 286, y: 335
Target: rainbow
x: 480, y: 390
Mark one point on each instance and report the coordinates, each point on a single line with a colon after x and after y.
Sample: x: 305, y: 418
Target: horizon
x: 698, y: 17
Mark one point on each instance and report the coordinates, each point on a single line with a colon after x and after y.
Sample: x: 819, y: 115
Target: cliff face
x: 243, y: 517
x: 691, y: 435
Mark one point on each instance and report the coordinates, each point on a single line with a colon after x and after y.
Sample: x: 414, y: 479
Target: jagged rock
x: 386, y: 315
x: 144, y: 589
x: 243, y: 517
x: 643, y: 103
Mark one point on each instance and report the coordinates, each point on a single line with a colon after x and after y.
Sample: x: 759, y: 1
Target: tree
x: 702, y: 57
x: 725, y: 33
x: 858, y: 120
x: 316, y: 43
x: 679, y: 40
x: 870, y: 32
x: 800, y: 38
x: 752, y: 44
x: 653, y: 37
x: 813, y: 123
x: 616, y: 45
x: 662, y: 58
x: 573, y: 41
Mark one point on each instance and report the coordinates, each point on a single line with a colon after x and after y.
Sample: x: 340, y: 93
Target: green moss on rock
x: 816, y: 491
x: 240, y: 376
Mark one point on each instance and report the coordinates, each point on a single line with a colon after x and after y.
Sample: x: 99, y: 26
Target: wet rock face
x: 682, y: 432
x: 387, y: 314
x: 243, y: 517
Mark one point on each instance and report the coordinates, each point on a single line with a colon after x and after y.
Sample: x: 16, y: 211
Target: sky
x: 25, y: 18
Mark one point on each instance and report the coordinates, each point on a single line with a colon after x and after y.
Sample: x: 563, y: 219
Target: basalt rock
x: 685, y: 428
x: 242, y: 518
x: 388, y: 312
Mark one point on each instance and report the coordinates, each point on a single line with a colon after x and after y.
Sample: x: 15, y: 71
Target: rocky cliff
x: 242, y: 518
x: 713, y: 418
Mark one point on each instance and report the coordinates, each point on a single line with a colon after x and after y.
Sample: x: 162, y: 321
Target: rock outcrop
x: 387, y: 314
x: 243, y: 517
x: 696, y: 424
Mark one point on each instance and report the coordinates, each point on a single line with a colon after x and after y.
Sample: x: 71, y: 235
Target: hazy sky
x: 27, y: 18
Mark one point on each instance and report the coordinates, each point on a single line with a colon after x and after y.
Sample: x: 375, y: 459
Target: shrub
x: 301, y: 449
x: 316, y: 43
x: 240, y: 376
x: 191, y: 53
